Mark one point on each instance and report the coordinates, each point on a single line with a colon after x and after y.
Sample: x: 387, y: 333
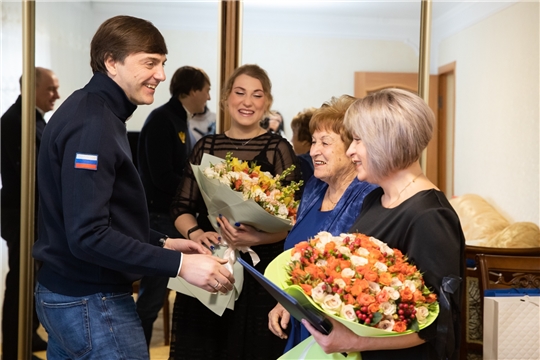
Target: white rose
x: 210, y: 173
x: 374, y: 287
x: 321, y: 262
x: 344, y: 250
x: 318, y: 293
x: 324, y: 237
x: 332, y: 304
x: 392, y: 293
x: 296, y: 257
x: 410, y: 284
x: 381, y: 267
x: 358, y: 260
x: 348, y: 273
x: 340, y: 283
x: 387, y: 249
x: 386, y: 324
x: 225, y: 180
x: 396, y: 282
x: 362, y: 252
x: 388, y: 308
x: 422, y: 313
x: 377, y: 242
x: 347, y: 312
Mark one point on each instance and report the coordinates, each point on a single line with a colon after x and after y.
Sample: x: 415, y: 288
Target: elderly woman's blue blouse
x: 311, y: 220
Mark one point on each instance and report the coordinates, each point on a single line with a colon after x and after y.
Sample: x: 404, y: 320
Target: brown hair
x: 121, y: 36
x: 300, y: 123
x: 395, y: 126
x: 331, y: 115
x: 254, y: 71
x: 187, y: 79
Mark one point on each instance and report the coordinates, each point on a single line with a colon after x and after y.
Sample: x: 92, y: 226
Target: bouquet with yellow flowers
x: 241, y: 192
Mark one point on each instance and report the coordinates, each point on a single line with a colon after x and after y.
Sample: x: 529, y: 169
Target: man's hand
x: 186, y: 246
x: 207, y: 272
x: 278, y: 319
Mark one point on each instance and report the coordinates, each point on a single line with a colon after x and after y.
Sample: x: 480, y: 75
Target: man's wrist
x: 162, y: 241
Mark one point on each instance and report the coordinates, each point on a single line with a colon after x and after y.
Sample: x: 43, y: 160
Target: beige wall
x: 497, y: 110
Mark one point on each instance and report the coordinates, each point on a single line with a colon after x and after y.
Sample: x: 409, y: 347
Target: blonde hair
x: 330, y: 116
x: 394, y: 125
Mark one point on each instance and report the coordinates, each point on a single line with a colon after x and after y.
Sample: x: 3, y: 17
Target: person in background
x: 301, y: 141
x: 332, y: 198
x: 274, y: 123
x: 197, y: 332
x: 94, y: 230
x: 164, y: 147
x: 46, y: 95
x: 202, y: 124
x: 390, y: 130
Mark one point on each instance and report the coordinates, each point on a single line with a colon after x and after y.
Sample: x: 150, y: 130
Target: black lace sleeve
x: 188, y: 197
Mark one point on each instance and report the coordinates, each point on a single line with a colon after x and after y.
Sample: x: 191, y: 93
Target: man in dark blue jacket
x: 165, y: 143
x: 46, y: 96
x: 94, y: 235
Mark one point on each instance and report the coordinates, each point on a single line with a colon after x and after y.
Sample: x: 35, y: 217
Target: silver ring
x: 217, y: 286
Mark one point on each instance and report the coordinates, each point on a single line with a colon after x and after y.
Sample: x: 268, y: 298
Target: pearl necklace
x: 402, y: 190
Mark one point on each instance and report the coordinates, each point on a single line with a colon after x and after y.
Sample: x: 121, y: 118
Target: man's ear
x: 110, y: 64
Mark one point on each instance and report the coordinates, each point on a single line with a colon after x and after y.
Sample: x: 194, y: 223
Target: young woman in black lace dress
x: 242, y: 333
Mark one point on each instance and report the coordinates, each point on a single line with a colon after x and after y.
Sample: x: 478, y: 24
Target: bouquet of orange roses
x: 359, y: 281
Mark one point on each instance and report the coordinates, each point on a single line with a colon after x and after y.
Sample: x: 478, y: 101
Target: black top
x: 426, y: 228
x: 11, y: 167
x: 164, y: 147
x: 242, y: 333
x: 93, y: 223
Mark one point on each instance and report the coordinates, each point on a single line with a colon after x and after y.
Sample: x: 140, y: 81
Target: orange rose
x: 406, y: 294
x: 417, y: 296
x: 329, y: 246
x: 385, y: 278
x: 359, y: 286
x: 373, y: 308
x: 371, y: 276
x: 400, y: 326
x: 431, y: 298
x: 365, y: 299
x: 382, y: 296
x: 307, y: 288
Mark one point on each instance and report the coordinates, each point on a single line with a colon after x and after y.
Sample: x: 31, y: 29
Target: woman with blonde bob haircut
x: 395, y: 127
x: 390, y: 130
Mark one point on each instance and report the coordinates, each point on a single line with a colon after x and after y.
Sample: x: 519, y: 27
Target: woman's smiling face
x: 247, y: 102
x: 328, y: 155
x: 358, y: 155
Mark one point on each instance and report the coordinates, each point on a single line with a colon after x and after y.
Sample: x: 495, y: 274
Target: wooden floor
x: 158, y: 350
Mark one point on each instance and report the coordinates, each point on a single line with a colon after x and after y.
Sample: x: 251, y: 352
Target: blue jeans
x: 98, y: 326
x: 153, y: 289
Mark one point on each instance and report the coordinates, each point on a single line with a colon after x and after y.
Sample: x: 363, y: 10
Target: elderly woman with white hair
x: 390, y: 130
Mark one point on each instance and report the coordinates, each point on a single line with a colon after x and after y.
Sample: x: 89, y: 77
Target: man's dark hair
x: 187, y: 79
x: 121, y: 36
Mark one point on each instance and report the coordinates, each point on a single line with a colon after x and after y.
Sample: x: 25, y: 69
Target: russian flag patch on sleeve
x: 86, y: 161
